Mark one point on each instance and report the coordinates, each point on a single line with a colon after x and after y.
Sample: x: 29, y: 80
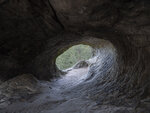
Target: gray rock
x: 20, y: 87
x: 80, y: 64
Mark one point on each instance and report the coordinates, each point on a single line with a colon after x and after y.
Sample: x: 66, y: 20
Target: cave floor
x: 62, y: 95
x: 55, y: 97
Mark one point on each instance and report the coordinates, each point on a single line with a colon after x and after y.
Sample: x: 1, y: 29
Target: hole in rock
x: 75, y: 56
x: 84, y: 63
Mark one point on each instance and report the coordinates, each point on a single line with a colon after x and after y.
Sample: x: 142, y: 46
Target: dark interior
x: 34, y: 32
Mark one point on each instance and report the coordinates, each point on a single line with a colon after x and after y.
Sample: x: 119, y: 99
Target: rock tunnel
x: 33, y: 33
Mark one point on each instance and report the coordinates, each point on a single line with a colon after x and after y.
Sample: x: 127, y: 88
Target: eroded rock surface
x: 21, y: 87
x: 33, y: 33
x: 81, y: 64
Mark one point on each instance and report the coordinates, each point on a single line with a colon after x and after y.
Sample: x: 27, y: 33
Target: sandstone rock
x: 19, y: 87
x: 34, y: 32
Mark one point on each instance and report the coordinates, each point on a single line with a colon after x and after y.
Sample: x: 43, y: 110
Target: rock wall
x: 34, y: 33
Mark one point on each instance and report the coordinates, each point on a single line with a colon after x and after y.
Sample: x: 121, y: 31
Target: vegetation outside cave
x: 73, y: 55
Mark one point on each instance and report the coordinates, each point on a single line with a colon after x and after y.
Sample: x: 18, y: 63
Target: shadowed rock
x: 33, y: 33
x: 20, y: 87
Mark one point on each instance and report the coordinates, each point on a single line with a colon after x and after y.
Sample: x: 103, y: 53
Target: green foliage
x: 73, y: 55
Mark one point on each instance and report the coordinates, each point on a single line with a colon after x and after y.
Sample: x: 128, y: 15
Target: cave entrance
x: 83, y: 63
x: 74, y: 55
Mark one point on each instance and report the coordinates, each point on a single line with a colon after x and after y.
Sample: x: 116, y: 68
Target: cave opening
x: 76, y: 65
x: 74, y: 57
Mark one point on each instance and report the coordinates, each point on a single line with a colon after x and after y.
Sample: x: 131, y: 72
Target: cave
x: 34, y: 33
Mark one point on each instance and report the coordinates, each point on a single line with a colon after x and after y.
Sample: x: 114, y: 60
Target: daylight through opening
x: 75, y: 54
